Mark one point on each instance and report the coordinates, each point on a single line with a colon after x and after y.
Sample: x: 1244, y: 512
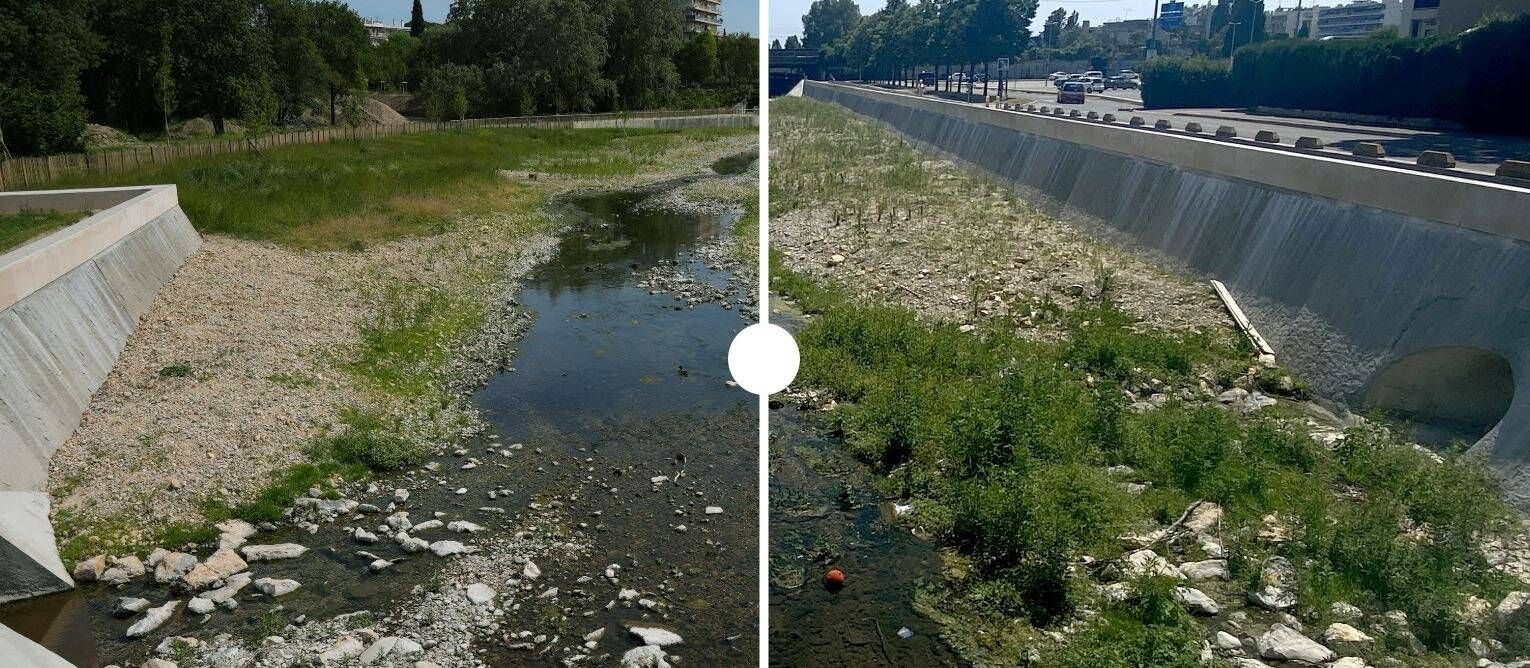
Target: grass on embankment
x: 1002, y: 443
x: 21, y: 227
x: 345, y: 195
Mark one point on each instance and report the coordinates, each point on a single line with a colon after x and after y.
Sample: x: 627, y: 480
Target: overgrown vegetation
x: 347, y: 195
x: 1004, y: 441
x: 21, y: 227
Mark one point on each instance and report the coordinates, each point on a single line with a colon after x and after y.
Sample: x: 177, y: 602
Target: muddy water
x: 824, y: 514
x: 613, y: 384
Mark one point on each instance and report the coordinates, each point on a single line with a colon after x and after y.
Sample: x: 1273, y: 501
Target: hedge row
x: 1478, y: 78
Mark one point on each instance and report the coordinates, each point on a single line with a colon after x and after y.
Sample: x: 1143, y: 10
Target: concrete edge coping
x: 1512, y: 188
x: 39, y: 262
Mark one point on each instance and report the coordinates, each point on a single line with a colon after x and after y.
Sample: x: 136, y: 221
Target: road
x: 1474, y: 152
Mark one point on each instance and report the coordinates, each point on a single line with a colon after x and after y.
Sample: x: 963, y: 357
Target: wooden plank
x: 1242, y: 320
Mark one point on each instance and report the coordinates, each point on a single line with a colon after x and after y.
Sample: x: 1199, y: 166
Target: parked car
x: 927, y: 78
x: 1071, y: 92
x: 1070, y: 77
x: 1054, y: 77
x: 1094, y: 84
x: 1129, y: 75
x: 959, y: 77
x: 1121, y: 82
x: 1096, y: 74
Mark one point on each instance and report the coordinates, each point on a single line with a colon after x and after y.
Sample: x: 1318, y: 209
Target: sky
x: 738, y: 15
x: 786, y: 15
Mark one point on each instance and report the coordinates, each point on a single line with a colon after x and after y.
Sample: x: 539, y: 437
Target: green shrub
x: 1149, y: 629
x: 1187, y: 82
x: 1472, y: 78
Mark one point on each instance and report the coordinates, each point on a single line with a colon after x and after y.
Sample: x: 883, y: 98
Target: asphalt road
x: 1473, y: 152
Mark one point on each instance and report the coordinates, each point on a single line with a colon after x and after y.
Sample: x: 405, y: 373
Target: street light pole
x: 1151, y: 49
x: 1234, y: 45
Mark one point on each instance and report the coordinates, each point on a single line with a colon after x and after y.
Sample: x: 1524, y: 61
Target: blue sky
x: 786, y: 15
x: 738, y: 15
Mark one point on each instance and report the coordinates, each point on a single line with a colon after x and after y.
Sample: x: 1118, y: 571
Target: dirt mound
x: 377, y: 112
x: 102, y: 136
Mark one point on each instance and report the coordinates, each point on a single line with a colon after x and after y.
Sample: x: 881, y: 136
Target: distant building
x: 1420, y: 18
x: 379, y: 32
x: 1289, y: 22
x: 1124, y: 33
x: 703, y: 16
x: 1457, y: 15
x: 1357, y: 19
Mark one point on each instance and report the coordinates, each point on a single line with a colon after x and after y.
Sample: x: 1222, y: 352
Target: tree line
x: 141, y: 65
x: 892, y: 42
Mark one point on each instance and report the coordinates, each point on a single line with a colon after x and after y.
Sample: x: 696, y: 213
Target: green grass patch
x: 1004, y: 440
x: 119, y: 535
x: 366, y: 444
x: 405, y: 343
x: 174, y: 371
x: 349, y: 194
x: 18, y: 228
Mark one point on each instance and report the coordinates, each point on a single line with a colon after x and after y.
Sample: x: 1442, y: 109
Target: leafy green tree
x: 223, y: 58
x: 827, y: 21
x: 775, y: 44
x: 697, y: 60
x: 388, y: 61
x: 446, y: 90
x: 793, y: 43
x: 644, y: 72
x: 738, y: 58
x: 342, y: 44
x: 43, y: 48
x: 416, y: 20
x: 298, y: 74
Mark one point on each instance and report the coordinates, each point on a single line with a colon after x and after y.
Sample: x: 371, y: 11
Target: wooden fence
x: 28, y: 173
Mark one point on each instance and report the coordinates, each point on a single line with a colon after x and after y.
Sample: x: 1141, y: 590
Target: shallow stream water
x: 613, y: 384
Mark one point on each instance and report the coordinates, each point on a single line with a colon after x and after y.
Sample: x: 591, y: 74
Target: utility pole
x: 1152, y: 47
x: 1234, y: 45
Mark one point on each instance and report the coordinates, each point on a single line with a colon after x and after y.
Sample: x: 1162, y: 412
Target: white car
x: 1094, y: 84
x: 1054, y: 77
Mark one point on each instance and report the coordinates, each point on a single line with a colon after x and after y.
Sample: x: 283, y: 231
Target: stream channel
x: 621, y: 378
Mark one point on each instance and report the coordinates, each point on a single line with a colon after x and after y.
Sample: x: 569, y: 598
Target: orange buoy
x: 834, y: 579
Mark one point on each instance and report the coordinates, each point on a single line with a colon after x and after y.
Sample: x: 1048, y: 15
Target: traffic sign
x: 1171, y: 14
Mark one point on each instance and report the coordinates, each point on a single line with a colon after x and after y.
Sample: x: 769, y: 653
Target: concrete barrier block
x: 1227, y: 132
x: 1137, y: 122
x: 1309, y: 142
x: 1045, y: 109
x: 1193, y: 128
x: 1075, y: 113
x: 1162, y: 124
x: 1367, y: 149
x: 1514, y: 169
x: 1108, y: 118
x: 1442, y: 159
x: 1059, y: 111
x: 1030, y: 107
x: 1267, y: 137
x: 1093, y: 115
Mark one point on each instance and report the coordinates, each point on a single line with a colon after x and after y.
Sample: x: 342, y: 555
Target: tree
x: 446, y: 91
x: 416, y: 20
x: 775, y: 44
x: 298, y: 74
x: 793, y: 43
x: 645, y: 72
x: 44, y: 46
x: 223, y: 59
x: 388, y: 61
x: 554, y: 51
x: 697, y: 60
x: 738, y: 58
x: 164, y: 79
x: 829, y: 20
x: 342, y: 44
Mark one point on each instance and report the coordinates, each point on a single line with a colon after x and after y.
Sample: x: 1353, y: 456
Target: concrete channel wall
x: 68, y: 302
x: 1354, y: 272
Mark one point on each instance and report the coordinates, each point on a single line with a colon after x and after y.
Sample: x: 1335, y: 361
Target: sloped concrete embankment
x: 1386, y: 287
x: 68, y: 302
